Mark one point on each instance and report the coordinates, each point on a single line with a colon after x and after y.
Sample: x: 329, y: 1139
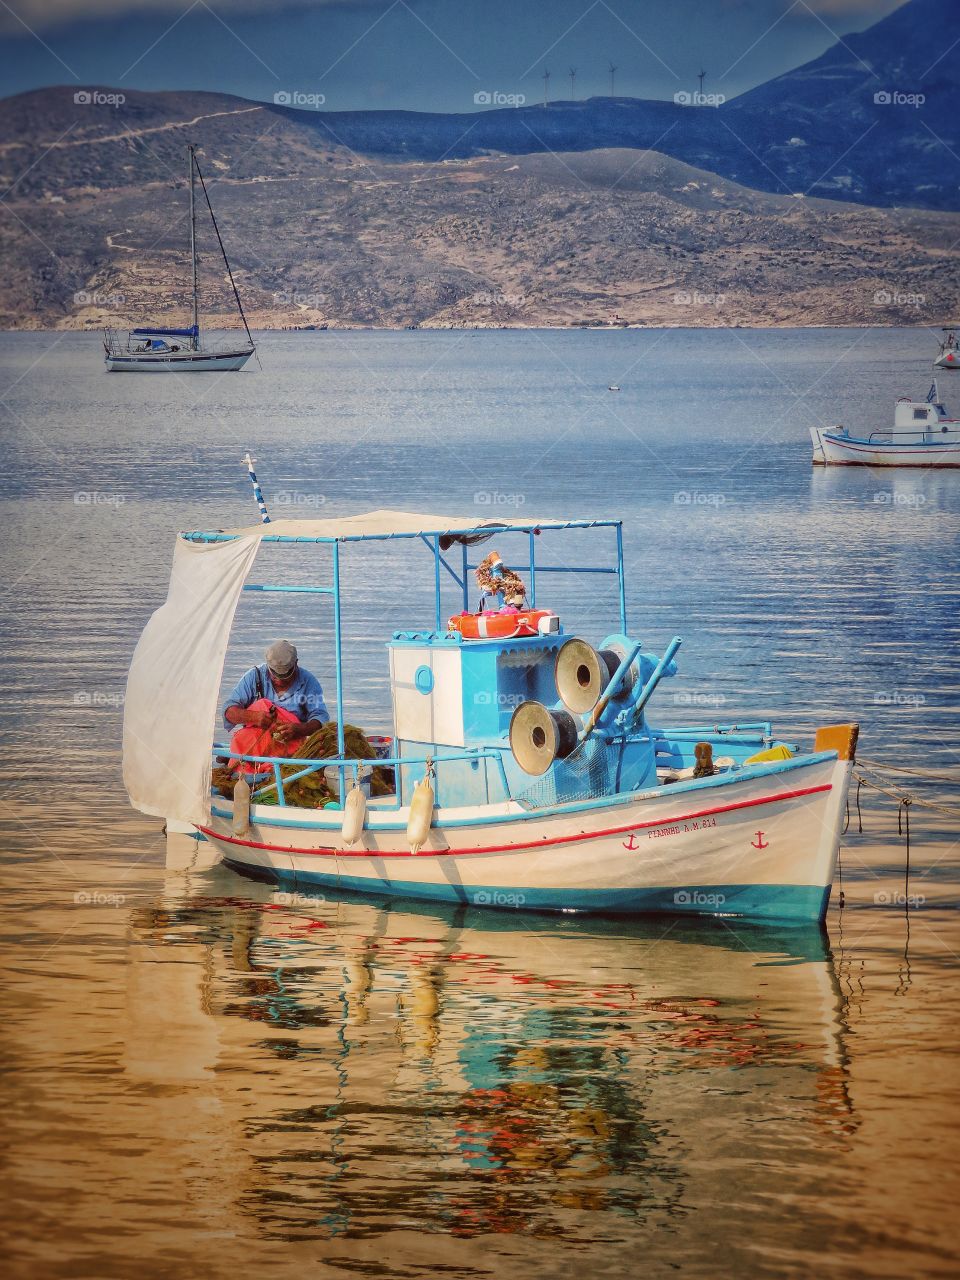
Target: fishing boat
x: 525, y: 771
x: 922, y: 436
x: 948, y: 357
x: 159, y: 349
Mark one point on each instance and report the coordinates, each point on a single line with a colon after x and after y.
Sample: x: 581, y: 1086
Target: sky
x: 421, y: 55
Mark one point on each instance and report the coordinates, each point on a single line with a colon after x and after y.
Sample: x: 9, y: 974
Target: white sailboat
x: 159, y: 349
x: 948, y: 357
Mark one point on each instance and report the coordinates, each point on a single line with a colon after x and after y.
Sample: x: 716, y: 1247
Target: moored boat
x: 525, y: 771
x: 922, y: 436
x: 948, y: 357
x: 160, y: 349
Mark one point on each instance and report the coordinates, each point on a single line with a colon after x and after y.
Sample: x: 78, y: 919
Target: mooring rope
x: 904, y: 801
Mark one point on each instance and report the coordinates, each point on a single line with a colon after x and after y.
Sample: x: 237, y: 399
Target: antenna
x: 613, y: 71
x: 257, y: 492
x: 573, y: 84
x: 701, y: 78
x: 546, y: 81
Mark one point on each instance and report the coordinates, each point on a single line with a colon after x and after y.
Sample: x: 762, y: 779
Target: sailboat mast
x: 193, y: 252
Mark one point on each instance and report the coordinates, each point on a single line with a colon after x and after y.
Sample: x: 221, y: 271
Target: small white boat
x: 159, y: 349
x: 525, y: 771
x: 948, y: 357
x: 922, y: 436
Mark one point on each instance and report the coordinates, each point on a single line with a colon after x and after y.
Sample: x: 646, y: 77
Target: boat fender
x: 421, y: 812
x: 241, y: 807
x: 354, y: 814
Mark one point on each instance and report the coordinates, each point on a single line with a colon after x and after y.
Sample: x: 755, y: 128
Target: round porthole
x: 423, y: 679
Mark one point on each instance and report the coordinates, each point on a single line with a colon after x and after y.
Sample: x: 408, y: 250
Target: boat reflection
x: 463, y: 1071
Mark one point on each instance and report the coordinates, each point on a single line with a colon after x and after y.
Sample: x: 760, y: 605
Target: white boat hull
x: 830, y: 449
x: 179, y: 362
x: 760, y: 843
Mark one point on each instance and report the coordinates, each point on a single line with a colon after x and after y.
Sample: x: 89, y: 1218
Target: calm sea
x: 204, y: 1078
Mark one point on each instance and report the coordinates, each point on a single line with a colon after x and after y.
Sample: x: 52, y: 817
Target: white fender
x: 421, y: 813
x: 354, y: 814
x: 241, y: 807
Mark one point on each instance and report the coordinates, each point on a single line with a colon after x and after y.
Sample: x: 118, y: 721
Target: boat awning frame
x: 389, y: 526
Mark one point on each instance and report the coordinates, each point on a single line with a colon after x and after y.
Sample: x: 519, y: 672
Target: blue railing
x: 351, y: 766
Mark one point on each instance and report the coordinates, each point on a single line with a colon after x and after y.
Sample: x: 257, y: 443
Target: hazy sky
x: 417, y: 54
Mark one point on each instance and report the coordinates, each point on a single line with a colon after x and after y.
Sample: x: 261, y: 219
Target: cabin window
x: 920, y: 415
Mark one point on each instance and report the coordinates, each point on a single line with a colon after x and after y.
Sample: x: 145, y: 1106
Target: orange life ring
x: 497, y: 624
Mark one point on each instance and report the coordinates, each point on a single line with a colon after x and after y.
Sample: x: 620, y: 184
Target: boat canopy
x: 155, y: 331
x: 378, y: 525
x: 174, y: 680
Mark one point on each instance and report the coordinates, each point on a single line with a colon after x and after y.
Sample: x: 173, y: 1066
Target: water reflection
x: 358, y: 1066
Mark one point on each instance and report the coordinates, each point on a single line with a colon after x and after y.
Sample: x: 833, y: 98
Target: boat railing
x: 939, y: 428
x: 350, y: 767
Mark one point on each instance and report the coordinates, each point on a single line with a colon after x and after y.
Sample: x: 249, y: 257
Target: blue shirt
x: 304, y: 697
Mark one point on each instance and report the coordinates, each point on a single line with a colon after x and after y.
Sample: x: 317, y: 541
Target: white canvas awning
x: 174, y: 680
x: 397, y: 524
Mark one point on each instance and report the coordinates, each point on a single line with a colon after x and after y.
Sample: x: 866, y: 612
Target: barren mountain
x: 94, y: 231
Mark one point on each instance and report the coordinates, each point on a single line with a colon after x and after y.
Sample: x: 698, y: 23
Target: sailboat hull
x: 179, y: 362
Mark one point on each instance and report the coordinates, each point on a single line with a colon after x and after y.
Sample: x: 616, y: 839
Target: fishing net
x: 314, y: 790
x: 587, y: 773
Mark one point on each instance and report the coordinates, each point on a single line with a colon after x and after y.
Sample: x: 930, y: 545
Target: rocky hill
x: 94, y: 231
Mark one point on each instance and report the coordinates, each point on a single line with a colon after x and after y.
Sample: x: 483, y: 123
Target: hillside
x: 98, y: 232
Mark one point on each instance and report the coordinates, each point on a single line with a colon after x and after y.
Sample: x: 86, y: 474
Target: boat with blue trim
x: 525, y: 770
x: 160, y: 349
x: 922, y: 436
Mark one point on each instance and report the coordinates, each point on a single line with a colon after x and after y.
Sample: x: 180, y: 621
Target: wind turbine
x: 573, y: 83
x: 613, y: 71
x: 546, y: 81
x: 701, y: 78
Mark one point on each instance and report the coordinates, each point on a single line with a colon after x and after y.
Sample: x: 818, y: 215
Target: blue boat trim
x: 786, y: 902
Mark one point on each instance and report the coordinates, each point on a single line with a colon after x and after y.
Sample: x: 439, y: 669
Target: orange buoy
x: 498, y: 624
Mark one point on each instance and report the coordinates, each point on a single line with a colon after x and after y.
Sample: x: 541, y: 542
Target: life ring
x: 498, y: 624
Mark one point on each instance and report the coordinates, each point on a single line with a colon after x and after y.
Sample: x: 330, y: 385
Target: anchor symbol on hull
x: 630, y: 842
x: 759, y: 843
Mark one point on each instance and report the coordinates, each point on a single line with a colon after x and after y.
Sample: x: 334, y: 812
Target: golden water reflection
x: 357, y: 1066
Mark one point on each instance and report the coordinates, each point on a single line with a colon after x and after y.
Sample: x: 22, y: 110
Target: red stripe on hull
x: 537, y: 844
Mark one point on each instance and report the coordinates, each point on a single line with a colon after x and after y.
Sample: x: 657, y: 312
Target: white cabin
x: 926, y: 418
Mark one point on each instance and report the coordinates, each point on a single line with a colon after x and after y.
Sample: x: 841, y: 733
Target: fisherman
x: 282, y: 682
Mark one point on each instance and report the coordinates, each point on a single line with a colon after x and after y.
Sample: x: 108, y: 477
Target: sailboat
x: 156, y: 349
x: 948, y: 357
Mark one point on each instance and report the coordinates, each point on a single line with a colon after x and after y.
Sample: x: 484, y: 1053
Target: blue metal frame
x: 431, y: 537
